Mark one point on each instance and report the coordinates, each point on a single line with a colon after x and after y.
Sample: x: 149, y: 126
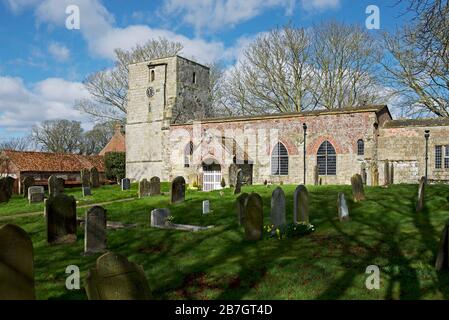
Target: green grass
x: 384, y: 230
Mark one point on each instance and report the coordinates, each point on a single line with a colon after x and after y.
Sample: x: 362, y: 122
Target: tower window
x: 360, y: 147
x: 188, y: 152
x: 327, y: 159
x: 194, y: 78
x: 152, y: 76
x: 279, y: 160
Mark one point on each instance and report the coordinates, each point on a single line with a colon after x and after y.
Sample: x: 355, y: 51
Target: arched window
x: 194, y: 77
x: 279, y: 160
x: 327, y: 159
x: 188, y: 152
x: 152, y: 76
x: 360, y: 147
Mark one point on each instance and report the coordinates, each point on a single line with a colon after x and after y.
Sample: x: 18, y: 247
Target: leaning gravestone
x: 95, y: 230
x: 343, y: 211
x: 301, y: 205
x: 442, y: 262
x: 115, y: 278
x: 86, y: 191
x: 94, y: 178
x: 85, y: 177
x: 4, y: 191
x: 16, y: 264
x: 53, y: 186
x: 358, y: 193
x: 178, y: 190
x: 36, y: 194
x: 254, y: 217
x: 144, y: 188
x: 60, y: 212
x: 125, y: 184
x: 26, y: 183
x: 155, y: 186
x: 239, y: 181
x: 240, y: 207
x: 206, y: 207
x: 421, y: 193
x: 159, y: 217
x: 278, y: 207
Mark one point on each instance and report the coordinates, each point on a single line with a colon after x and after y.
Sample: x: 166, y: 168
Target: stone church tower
x: 161, y: 92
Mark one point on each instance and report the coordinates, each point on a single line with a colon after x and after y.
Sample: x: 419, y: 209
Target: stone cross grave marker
x: 60, y: 212
x: 16, y: 264
x: 301, y: 205
x: 116, y: 278
x: 278, y: 207
x: 95, y: 230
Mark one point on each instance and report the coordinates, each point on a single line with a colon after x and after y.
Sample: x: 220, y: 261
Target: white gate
x: 211, y: 180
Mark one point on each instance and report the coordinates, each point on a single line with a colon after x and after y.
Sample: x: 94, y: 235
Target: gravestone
x: 421, y: 194
x: 26, y: 183
x: 206, y: 207
x: 60, y: 212
x: 95, y: 230
x: 36, y: 194
x: 116, y: 278
x: 155, y: 186
x: 253, y: 217
x: 10, y: 185
x: 442, y: 262
x: 53, y: 189
x: 374, y: 175
x: 94, y: 178
x: 60, y: 185
x: 363, y: 173
x: 358, y: 193
x: 16, y: 264
x: 316, y: 176
x: 278, y: 207
x: 178, y: 190
x: 85, y: 177
x: 343, y: 211
x: 125, y: 184
x: 4, y: 191
x: 159, y: 217
x: 240, y: 207
x: 238, y: 182
x: 301, y: 205
x: 144, y: 188
x: 233, y: 169
x: 86, y: 191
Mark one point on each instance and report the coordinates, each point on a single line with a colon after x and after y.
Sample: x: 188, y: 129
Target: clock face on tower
x: 150, y: 92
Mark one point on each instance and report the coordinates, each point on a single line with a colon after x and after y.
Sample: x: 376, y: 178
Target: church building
x: 312, y: 147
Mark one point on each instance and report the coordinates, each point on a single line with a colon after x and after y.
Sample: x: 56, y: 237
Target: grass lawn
x: 218, y: 263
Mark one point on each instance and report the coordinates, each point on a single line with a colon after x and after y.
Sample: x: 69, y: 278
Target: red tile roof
x: 116, y: 144
x: 27, y: 161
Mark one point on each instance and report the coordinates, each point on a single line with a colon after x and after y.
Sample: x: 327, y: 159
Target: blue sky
x: 43, y: 64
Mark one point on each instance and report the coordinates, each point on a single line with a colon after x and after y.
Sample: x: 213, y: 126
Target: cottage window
x: 279, y: 160
x: 327, y: 159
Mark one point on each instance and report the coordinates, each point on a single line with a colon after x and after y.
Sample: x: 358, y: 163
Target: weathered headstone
x: 26, y: 183
x: 94, y: 178
x: 159, y: 217
x: 125, y: 184
x: 4, y: 191
x: 233, y: 169
x: 144, y: 188
x: 155, y: 186
x: 86, y: 191
x: 363, y: 173
x: 16, y: 264
x: 316, y: 176
x: 95, y: 230
x: 301, y: 204
x: 374, y: 175
x: 343, y: 211
x: 115, y: 278
x: 253, y: 217
x: 240, y: 207
x: 85, y: 177
x: 178, y: 190
x: 60, y: 185
x: 442, y: 262
x: 238, y: 182
x: 52, y: 186
x: 36, y: 194
x: 206, y: 207
x: 60, y: 212
x: 10, y: 181
x: 278, y: 207
x: 421, y: 194
x: 358, y: 192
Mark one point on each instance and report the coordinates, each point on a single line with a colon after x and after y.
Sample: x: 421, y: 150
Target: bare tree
x: 16, y: 144
x: 108, y: 88
x: 59, y: 136
x: 96, y: 139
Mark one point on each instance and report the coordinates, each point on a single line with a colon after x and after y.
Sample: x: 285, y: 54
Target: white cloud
x: 53, y: 98
x: 320, y: 5
x: 19, y: 5
x: 217, y: 14
x: 59, y: 51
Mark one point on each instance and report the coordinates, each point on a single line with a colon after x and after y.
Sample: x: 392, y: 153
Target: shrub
x: 290, y: 230
x: 115, y: 163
